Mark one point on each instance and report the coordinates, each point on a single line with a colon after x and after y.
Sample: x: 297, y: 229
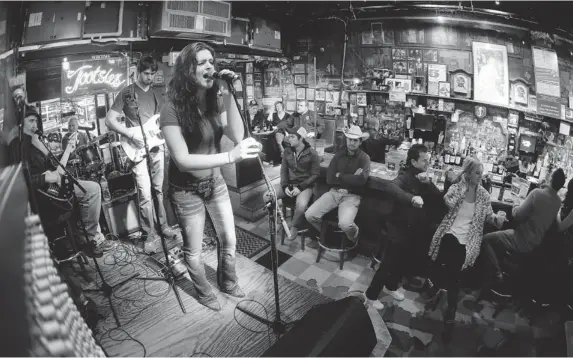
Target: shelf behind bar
x: 462, y: 100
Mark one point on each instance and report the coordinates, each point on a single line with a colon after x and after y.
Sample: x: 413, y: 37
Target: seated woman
x: 456, y: 243
x: 279, y: 118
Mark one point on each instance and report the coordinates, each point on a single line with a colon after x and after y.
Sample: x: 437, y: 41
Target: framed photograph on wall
x: 320, y: 95
x: 300, y: 93
x: 299, y: 79
x: 491, y: 74
x: 520, y: 92
x: 430, y: 55
x: 299, y: 68
x: 361, y: 99
x: 444, y: 89
x: 310, y: 94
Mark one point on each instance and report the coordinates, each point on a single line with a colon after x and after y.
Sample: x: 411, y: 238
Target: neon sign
x: 88, y: 77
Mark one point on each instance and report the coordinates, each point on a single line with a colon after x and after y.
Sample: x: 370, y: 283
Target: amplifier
x: 122, y: 214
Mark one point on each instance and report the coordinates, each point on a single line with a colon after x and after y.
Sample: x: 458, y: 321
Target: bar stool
x: 290, y: 203
x: 330, y: 221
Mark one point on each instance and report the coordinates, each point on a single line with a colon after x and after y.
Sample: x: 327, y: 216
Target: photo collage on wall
x: 412, y: 61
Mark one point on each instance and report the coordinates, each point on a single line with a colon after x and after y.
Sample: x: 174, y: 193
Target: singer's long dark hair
x: 182, y: 90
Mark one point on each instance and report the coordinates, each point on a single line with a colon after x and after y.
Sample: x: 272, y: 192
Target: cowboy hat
x: 354, y: 132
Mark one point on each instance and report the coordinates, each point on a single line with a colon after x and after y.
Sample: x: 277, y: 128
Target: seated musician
x: 532, y: 220
x: 82, y: 138
x: 44, y: 172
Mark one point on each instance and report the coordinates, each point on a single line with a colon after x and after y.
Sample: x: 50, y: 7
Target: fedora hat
x: 354, y: 132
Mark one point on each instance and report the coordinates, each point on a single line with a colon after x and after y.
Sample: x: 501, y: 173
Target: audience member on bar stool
x: 531, y: 219
x: 347, y: 174
x: 410, y: 227
x: 299, y: 170
x: 456, y: 244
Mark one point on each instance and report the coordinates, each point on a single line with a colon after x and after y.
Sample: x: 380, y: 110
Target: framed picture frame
x: 300, y: 93
x: 320, y: 95
x: 491, y: 74
x: 444, y: 89
x: 299, y: 79
x: 398, y: 84
x: 461, y: 83
x: 299, y: 68
x: 419, y: 85
x: 519, y: 92
x: 310, y: 94
x: 361, y: 99
x: 513, y: 118
x: 430, y: 55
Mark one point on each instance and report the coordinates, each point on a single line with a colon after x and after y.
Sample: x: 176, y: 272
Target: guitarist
x: 44, y: 172
x: 140, y: 94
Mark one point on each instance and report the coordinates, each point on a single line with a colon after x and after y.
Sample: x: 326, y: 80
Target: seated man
x: 375, y: 145
x: 73, y: 125
x: 43, y: 172
x: 532, y: 219
x: 410, y: 227
x: 347, y: 175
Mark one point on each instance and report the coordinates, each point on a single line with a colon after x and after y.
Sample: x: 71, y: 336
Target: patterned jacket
x: 483, y: 212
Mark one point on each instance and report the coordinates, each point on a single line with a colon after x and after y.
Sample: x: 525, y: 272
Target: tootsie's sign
x: 93, y: 76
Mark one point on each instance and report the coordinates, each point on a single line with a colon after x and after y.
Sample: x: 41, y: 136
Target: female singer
x: 193, y: 120
x: 456, y: 243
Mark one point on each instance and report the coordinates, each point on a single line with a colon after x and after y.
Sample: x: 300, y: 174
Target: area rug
x: 248, y: 244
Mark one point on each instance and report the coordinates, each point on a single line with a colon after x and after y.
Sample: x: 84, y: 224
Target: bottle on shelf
x: 105, y: 189
x: 458, y: 158
x: 447, y: 156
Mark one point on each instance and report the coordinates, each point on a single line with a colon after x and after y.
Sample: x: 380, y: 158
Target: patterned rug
x: 248, y: 244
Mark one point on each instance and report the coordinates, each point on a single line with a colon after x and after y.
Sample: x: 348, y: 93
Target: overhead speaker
x: 337, y: 329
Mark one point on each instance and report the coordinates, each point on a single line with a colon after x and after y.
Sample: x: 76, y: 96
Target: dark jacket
x: 258, y: 119
x: 408, y: 223
x: 347, y: 165
x: 38, y: 163
x: 302, y: 170
x: 376, y: 147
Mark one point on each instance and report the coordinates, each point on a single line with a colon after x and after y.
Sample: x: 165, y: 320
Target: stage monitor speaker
x: 122, y: 214
x: 337, y: 329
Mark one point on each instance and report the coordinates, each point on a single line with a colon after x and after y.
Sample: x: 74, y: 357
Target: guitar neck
x: 64, y: 161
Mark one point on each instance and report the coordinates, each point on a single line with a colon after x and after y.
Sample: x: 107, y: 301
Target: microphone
x: 39, y: 133
x: 224, y: 76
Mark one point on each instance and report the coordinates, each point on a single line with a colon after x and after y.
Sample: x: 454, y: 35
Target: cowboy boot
x: 227, y: 277
x: 196, y: 269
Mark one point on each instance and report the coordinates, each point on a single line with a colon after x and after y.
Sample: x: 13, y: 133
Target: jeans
x: 144, y: 187
x: 494, y: 244
x: 90, y: 208
x: 301, y: 204
x: 390, y: 272
x: 447, y: 270
x: 347, y: 209
x: 191, y: 210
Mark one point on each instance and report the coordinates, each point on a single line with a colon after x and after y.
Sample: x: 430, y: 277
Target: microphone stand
x: 169, y: 277
x: 105, y: 288
x: 278, y: 325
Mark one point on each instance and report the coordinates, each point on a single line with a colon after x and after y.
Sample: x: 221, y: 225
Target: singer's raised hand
x: 247, y: 148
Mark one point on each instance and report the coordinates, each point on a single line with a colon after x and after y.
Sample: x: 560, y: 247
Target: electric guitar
x: 56, y: 192
x: 152, y: 134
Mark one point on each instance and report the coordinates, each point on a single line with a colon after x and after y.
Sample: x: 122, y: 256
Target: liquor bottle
x: 447, y: 157
x: 105, y: 189
x: 458, y: 158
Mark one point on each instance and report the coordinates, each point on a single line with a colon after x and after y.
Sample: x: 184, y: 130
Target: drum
x: 74, y: 166
x: 90, y: 158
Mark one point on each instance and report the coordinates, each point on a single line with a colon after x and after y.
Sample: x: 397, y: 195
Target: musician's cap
x: 32, y: 111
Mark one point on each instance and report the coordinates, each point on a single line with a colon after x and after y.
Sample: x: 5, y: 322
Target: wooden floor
x: 166, y: 331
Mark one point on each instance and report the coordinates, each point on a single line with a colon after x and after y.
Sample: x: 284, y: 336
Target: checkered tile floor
x: 414, y: 330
